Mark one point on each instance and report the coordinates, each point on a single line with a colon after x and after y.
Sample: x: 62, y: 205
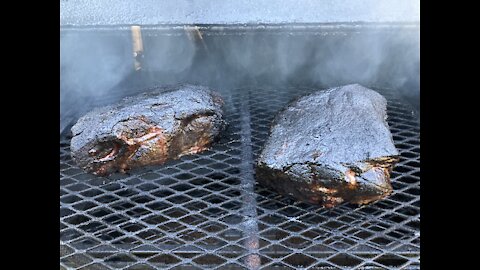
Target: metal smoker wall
x: 97, y: 64
x: 206, y: 211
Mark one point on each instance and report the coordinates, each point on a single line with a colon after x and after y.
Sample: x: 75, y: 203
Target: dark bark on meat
x: 330, y: 147
x: 162, y: 124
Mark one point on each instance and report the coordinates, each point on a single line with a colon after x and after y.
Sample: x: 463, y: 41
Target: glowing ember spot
x: 350, y: 178
x: 326, y: 190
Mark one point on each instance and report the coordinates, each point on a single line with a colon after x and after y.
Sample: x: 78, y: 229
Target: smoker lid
x: 151, y: 12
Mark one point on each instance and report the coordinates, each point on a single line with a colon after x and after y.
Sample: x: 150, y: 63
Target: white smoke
x: 94, y: 63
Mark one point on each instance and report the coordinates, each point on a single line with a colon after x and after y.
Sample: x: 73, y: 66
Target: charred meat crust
x: 323, y: 186
x: 162, y: 124
x: 330, y: 147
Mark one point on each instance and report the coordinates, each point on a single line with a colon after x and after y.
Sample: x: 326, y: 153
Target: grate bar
x: 206, y: 210
x: 249, y: 225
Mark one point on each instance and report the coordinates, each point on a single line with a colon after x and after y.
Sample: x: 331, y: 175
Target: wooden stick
x: 194, y: 34
x: 137, y: 46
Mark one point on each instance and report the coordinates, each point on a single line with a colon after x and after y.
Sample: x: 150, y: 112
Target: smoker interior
x: 206, y: 210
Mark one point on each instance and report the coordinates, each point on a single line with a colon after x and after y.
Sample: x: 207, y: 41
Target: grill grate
x: 205, y: 211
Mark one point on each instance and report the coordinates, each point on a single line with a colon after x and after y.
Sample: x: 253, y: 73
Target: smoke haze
x: 94, y: 63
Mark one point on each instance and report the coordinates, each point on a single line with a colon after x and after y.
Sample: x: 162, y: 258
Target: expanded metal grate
x: 206, y: 211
